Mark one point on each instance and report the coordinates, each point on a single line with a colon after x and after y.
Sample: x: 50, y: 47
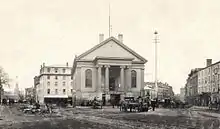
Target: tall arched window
x: 88, y: 80
x: 133, y: 79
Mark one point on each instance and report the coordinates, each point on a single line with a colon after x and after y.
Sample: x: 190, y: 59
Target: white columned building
x: 109, y: 70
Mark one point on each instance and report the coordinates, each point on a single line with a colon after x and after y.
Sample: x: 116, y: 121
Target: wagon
x: 131, y: 104
x: 97, y: 103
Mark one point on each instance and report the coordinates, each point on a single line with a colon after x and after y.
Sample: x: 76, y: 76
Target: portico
x: 109, y: 70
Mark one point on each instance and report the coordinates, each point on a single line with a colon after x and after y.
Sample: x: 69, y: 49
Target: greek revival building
x: 109, y: 70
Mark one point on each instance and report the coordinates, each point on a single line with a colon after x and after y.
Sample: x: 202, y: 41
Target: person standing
x: 153, y: 104
x: 113, y: 102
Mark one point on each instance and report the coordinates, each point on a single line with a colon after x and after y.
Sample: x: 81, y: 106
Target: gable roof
x: 117, y: 42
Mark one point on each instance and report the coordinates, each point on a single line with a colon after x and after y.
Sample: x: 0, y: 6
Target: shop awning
x: 56, y: 96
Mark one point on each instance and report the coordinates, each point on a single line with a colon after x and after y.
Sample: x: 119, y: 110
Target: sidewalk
x: 200, y: 107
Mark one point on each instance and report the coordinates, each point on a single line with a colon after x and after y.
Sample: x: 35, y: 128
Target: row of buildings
x: 203, y: 84
x: 98, y: 72
x: 165, y: 91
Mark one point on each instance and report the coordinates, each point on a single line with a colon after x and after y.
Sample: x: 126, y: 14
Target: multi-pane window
x: 64, y: 83
x: 56, y: 91
x: 64, y: 70
x: 56, y: 77
x: 48, y: 91
x: 56, y: 83
x: 88, y: 80
x: 48, y: 77
x: 64, y: 91
x: 48, y: 83
x: 133, y: 79
x: 64, y: 77
x: 48, y: 70
x: 56, y: 70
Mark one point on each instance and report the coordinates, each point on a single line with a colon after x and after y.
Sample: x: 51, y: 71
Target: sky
x: 54, y: 31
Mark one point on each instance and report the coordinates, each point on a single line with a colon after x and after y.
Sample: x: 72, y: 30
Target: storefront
x: 59, y: 100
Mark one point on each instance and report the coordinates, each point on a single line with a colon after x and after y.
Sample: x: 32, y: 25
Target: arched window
x: 133, y: 79
x: 88, y: 80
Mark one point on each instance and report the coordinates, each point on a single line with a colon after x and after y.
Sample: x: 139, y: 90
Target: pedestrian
x: 121, y: 104
x: 113, y: 102
x: 153, y: 104
x: 47, y: 107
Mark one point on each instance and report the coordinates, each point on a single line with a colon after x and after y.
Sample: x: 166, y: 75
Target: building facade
x: 110, y: 70
x: 29, y: 94
x: 191, y: 88
x: 164, y: 90
x: 150, y: 90
x: 36, y: 84
x: 182, y: 94
x: 209, y: 80
x: 54, y: 84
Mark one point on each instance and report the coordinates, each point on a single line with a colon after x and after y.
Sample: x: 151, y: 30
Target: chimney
x: 43, y: 64
x: 120, y: 37
x: 208, y: 62
x: 101, y: 38
x: 66, y: 64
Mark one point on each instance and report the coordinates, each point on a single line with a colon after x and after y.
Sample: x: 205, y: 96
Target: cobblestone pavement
x: 109, y: 118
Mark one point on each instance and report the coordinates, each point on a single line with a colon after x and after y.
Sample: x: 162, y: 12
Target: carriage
x: 131, y: 104
x: 97, y: 103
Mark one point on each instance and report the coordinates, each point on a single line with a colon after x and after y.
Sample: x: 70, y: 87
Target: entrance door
x: 112, y: 84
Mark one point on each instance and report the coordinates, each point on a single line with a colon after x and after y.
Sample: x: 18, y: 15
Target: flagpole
x: 156, y: 41
x: 109, y: 29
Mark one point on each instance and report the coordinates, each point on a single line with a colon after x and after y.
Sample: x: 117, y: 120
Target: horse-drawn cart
x: 131, y: 104
x: 97, y: 103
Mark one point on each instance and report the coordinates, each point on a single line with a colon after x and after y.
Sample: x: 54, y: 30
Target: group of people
x: 139, y: 100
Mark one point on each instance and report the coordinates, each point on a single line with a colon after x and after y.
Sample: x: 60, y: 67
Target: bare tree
x: 4, y: 81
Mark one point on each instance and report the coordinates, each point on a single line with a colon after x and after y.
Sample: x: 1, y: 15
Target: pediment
x: 111, y: 47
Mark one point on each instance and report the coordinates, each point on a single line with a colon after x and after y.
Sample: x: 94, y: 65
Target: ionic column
x: 122, y: 78
x: 99, y: 83
x: 107, y: 78
x: 129, y: 79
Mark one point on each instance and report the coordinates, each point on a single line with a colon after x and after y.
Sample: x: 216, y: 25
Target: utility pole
x: 156, y: 42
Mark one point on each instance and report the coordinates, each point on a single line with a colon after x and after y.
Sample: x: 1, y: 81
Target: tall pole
x: 0, y: 90
x: 156, y: 41
x: 109, y: 25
